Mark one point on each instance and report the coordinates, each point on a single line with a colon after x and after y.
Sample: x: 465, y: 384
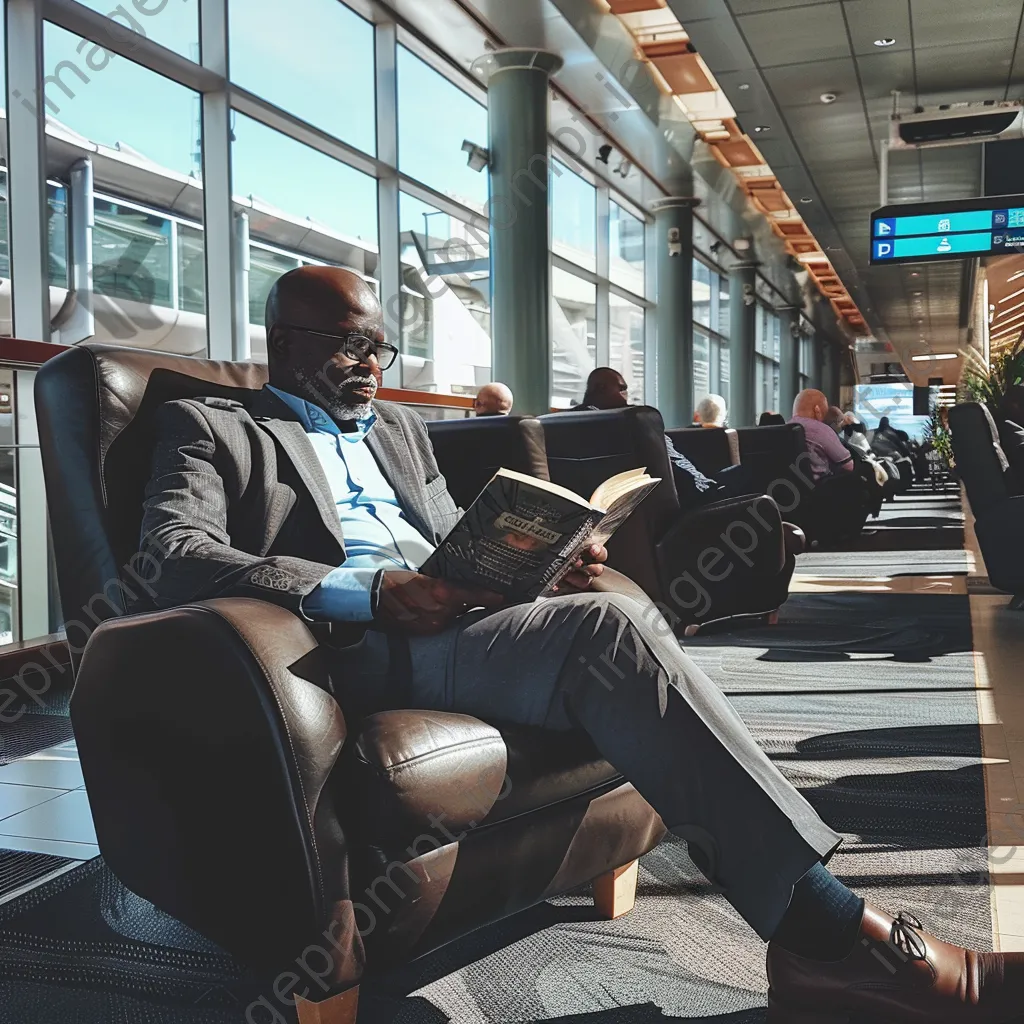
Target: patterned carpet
x: 865, y: 701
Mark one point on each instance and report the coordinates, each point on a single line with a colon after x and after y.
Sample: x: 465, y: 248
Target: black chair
x: 995, y: 496
x: 830, y: 511
x: 470, y: 451
x: 229, y: 786
x: 668, y: 552
x: 710, y: 451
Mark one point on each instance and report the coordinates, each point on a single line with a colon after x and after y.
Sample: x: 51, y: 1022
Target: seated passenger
x: 829, y: 455
x: 838, y: 505
x: 886, y: 440
x: 493, y: 399
x: 365, y: 504
x: 711, y: 412
x: 607, y: 389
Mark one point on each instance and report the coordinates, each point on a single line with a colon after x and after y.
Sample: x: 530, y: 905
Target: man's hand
x: 587, y: 569
x: 418, y: 604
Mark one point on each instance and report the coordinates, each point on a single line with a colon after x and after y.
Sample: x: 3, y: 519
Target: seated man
x: 312, y: 495
x: 607, y: 389
x: 839, y: 510
x: 493, y: 399
x: 711, y: 412
x: 864, y: 464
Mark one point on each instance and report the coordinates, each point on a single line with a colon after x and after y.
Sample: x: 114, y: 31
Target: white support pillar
x: 30, y: 294
x: 223, y: 333
x: 389, y: 269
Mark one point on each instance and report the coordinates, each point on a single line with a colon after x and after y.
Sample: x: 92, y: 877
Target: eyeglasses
x: 354, y: 346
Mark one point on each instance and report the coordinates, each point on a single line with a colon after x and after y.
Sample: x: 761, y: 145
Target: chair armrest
x: 1001, y: 539
x: 207, y: 734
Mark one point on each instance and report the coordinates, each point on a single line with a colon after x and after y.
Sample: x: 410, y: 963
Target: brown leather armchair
x: 228, y: 786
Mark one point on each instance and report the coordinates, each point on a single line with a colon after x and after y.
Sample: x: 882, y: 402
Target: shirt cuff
x: 343, y: 595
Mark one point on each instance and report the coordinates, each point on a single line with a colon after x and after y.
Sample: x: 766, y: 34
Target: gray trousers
x: 609, y: 664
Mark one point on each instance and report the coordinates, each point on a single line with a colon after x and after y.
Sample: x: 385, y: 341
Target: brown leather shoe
x: 896, y: 974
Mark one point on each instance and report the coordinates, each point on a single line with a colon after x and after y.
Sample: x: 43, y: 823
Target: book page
x: 604, y: 497
x: 623, y: 507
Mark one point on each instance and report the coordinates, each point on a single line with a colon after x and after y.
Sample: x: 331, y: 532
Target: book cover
x: 522, y: 535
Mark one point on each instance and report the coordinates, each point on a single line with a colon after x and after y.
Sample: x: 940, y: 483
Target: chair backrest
x: 585, y: 448
x: 95, y: 407
x: 770, y: 452
x: 470, y: 451
x: 709, y: 450
x: 980, y: 460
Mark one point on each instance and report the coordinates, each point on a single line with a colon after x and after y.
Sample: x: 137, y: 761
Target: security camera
x: 476, y: 156
x: 828, y: 97
x: 624, y: 168
x: 603, y: 153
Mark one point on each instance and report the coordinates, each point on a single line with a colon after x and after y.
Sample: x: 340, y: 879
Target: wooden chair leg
x: 337, y: 1009
x: 615, y: 891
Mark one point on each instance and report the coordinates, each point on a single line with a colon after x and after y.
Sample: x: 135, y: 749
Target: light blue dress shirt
x: 377, y: 533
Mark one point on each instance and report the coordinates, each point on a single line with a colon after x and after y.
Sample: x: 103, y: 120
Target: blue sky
x: 318, y: 64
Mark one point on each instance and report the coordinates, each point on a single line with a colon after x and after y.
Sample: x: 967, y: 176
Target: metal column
x: 673, y: 226
x: 742, y: 331
x: 519, y: 233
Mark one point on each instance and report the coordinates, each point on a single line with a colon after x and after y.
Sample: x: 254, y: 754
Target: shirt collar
x: 315, y: 421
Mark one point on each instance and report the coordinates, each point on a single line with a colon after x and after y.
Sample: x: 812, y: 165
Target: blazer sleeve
x: 186, y: 552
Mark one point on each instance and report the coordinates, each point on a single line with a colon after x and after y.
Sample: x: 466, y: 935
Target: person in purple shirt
x: 829, y: 456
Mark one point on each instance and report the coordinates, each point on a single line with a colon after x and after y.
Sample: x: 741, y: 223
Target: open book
x: 522, y: 535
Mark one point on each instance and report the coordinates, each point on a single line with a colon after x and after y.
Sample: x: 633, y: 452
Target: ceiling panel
x: 803, y: 84
x: 941, y: 22
x: 869, y: 20
x: 793, y: 35
x: 942, y: 69
x: 756, y: 6
x: 883, y: 71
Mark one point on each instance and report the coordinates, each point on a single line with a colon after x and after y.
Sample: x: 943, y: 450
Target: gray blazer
x: 238, y: 504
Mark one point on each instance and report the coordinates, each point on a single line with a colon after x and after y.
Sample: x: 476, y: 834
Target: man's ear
x: 277, y: 342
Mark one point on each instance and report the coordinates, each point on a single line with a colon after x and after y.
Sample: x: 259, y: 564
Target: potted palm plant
x: 988, y: 384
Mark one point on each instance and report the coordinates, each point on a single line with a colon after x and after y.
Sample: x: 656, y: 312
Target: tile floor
x: 44, y: 807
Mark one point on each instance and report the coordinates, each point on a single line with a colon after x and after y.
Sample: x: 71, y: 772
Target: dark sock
x: 823, y: 919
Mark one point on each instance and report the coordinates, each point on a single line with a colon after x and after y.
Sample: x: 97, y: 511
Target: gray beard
x: 330, y: 398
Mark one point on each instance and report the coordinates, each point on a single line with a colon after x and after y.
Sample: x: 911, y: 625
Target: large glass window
x: 168, y: 22
x: 114, y: 102
x: 627, y: 249
x: 434, y: 118
x: 314, y: 59
x: 702, y: 353
x: 445, y: 301
x: 573, y: 337
x: 301, y: 184
x: 573, y: 217
x: 148, y: 272
x: 701, y: 293
x: 626, y: 345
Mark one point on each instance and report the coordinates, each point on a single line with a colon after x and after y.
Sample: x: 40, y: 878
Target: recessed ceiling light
x: 885, y: 41
x: 806, y: 199
x: 934, y: 355
x: 743, y: 86
x: 763, y: 128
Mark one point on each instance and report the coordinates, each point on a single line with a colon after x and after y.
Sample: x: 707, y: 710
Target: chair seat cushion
x: 414, y: 769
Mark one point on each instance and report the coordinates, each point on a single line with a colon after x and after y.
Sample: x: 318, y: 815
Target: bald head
x: 325, y: 339
x: 606, y: 389
x: 493, y: 400
x: 810, y: 403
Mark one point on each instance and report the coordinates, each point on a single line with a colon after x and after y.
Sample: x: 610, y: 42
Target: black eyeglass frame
x: 375, y: 348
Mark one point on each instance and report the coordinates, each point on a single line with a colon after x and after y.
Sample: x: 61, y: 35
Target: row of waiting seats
x: 719, y: 561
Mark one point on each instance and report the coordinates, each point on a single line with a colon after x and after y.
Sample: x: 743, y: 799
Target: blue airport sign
x: 925, y: 232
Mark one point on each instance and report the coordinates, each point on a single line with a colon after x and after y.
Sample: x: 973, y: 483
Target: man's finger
x: 596, y: 554
x: 580, y: 579
x: 418, y: 597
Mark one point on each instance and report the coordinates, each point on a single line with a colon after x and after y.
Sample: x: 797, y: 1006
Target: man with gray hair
x: 711, y: 412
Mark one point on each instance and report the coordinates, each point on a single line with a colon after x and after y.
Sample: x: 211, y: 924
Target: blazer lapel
x: 291, y: 436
